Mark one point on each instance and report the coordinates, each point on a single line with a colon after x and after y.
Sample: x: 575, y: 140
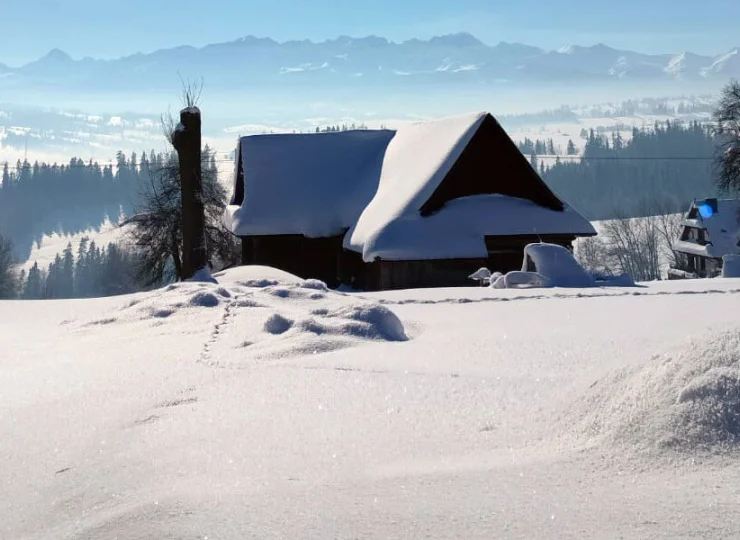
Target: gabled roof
x: 722, y: 229
x: 313, y: 184
x: 388, y: 187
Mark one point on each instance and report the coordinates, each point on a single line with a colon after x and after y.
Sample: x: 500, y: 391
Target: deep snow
x: 268, y: 407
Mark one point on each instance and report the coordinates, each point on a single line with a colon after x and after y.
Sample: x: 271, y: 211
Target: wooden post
x: 187, y: 141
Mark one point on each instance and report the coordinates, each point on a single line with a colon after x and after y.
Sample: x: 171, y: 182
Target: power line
x: 563, y: 159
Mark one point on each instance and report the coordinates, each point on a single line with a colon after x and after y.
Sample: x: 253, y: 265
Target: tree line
x: 546, y: 147
x: 665, y: 167
x: 152, y: 249
x: 43, y: 198
x: 92, y: 272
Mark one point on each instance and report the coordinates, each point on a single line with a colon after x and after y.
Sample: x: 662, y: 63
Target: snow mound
x: 277, y: 324
x: 521, y: 280
x: 255, y: 276
x: 376, y: 322
x: 204, y: 299
x: 557, y: 264
x: 256, y: 318
x: 482, y: 274
x: 314, y: 284
x: 621, y: 280
x: 203, y: 276
x: 685, y: 400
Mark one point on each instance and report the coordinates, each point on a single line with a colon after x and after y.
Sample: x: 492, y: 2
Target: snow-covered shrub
x: 482, y: 275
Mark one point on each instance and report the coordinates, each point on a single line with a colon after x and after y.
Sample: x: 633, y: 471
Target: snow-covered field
x: 264, y: 407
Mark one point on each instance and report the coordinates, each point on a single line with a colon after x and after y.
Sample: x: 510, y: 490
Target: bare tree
x: 669, y: 230
x: 594, y: 256
x: 633, y: 246
x: 155, y: 228
x: 727, y: 117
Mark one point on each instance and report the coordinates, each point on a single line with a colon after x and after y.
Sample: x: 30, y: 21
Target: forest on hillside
x: 656, y: 171
x: 41, y: 198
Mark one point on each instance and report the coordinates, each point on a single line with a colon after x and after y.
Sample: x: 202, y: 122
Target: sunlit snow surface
x: 268, y: 407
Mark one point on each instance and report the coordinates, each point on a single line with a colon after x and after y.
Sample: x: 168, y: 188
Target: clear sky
x: 111, y: 28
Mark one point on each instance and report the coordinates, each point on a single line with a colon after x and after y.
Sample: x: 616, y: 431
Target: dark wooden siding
x: 505, y: 253
x: 316, y: 258
x: 238, y: 197
x: 491, y: 163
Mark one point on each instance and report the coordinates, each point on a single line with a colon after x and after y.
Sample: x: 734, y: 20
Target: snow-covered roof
x: 459, y: 229
x: 312, y: 184
x: 722, y: 227
x: 374, y: 183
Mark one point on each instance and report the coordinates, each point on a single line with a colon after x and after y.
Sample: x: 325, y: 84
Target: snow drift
x: 253, y: 317
x: 687, y: 399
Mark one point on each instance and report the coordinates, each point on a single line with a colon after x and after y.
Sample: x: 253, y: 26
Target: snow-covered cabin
x: 710, y: 231
x: 420, y: 206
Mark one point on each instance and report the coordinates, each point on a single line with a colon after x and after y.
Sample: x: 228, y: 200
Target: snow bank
x: 686, y: 399
x: 203, y: 276
x: 260, y: 313
x: 521, y: 280
x: 551, y: 265
x: 557, y: 264
x: 622, y: 280
x: 254, y: 274
x: 731, y: 266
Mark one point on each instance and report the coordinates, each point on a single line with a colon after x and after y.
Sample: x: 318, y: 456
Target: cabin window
x: 692, y: 234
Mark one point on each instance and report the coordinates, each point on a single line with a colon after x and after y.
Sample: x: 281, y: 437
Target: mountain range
x: 454, y: 59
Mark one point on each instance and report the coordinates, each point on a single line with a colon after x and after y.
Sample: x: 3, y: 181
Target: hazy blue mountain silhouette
x: 367, y: 61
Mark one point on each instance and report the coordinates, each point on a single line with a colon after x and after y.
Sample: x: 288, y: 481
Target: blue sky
x: 111, y: 28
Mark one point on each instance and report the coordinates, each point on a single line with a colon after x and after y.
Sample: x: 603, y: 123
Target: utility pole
x: 187, y: 141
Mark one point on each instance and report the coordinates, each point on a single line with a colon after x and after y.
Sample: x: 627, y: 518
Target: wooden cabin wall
x: 505, y: 254
x: 325, y: 259
x: 307, y: 258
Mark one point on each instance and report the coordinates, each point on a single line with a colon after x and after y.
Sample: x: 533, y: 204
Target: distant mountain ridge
x: 368, y: 61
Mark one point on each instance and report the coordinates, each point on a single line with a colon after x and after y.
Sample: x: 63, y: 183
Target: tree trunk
x: 187, y: 142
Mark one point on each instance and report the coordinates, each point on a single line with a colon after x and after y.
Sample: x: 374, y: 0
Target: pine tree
x: 34, y: 287
x: 571, y: 151
x: 81, y: 273
x: 551, y: 147
x: 7, y: 275
x: 66, y: 274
